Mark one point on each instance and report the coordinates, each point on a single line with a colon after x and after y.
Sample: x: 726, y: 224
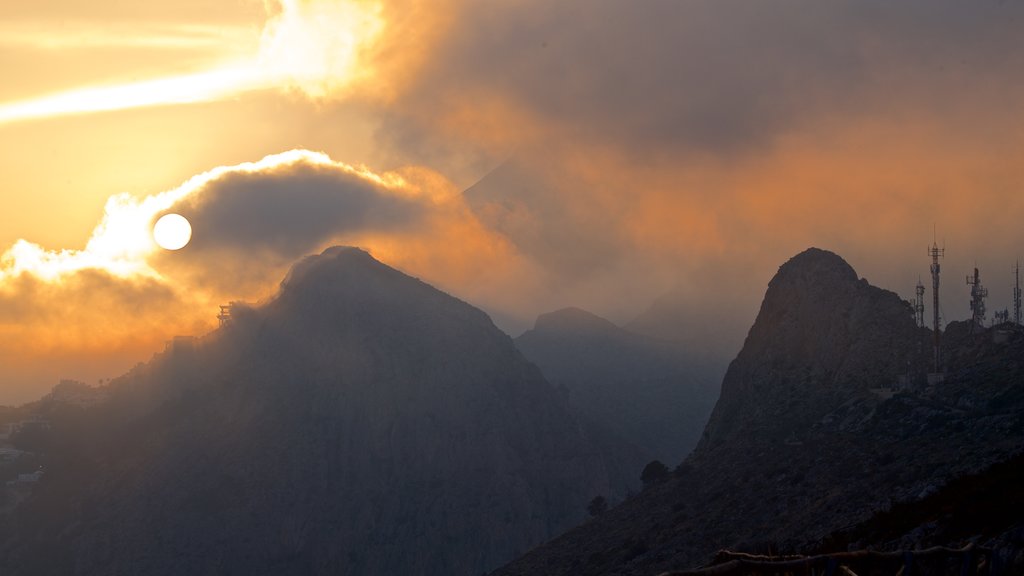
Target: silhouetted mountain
x: 809, y: 435
x: 644, y: 389
x: 360, y: 423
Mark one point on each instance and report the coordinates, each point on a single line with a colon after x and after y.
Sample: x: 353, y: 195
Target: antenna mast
x: 919, y: 304
x: 935, y: 252
x: 978, y: 295
x: 1016, y: 294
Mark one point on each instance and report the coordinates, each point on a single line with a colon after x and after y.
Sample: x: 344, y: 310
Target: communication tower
x: 919, y: 304
x: 1016, y: 293
x: 935, y: 252
x: 978, y: 295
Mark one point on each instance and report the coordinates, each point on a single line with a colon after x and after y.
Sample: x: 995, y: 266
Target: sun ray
x: 185, y: 89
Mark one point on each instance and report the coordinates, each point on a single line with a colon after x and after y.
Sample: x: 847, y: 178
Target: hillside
x: 808, y: 435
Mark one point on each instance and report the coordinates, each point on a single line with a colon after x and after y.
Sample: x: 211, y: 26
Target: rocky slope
x: 643, y: 389
x: 361, y: 423
x: 805, y: 439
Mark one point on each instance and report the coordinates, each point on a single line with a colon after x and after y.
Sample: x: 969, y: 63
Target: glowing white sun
x: 172, y: 231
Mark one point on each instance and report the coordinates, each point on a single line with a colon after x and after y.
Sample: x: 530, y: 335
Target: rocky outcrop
x: 360, y: 423
x: 821, y: 337
x: 646, y: 390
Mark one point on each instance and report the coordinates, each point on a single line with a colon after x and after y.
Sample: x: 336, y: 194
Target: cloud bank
x: 612, y: 151
x: 700, y: 144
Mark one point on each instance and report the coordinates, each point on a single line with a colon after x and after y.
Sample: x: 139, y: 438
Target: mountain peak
x: 334, y: 258
x: 815, y: 263
x: 573, y: 319
x: 844, y: 334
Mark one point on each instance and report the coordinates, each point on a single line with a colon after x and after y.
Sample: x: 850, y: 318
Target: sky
x: 523, y: 155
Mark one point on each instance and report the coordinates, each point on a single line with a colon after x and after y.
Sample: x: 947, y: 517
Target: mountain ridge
x: 825, y: 418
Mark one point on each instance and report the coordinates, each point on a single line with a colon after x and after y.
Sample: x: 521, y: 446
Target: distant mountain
x: 826, y: 416
x: 524, y: 199
x: 714, y: 333
x: 644, y: 389
x: 361, y: 423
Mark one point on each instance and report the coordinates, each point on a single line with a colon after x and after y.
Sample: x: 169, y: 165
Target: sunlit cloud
x: 122, y: 242
x: 314, y: 45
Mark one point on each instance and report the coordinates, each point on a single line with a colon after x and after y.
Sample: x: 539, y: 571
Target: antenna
x: 978, y: 295
x: 935, y: 252
x: 919, y: 303
x: 1016, y: 294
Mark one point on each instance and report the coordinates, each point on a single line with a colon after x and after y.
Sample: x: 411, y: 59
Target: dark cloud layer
x: 293, y: 209
x: 704, y: 77
x: 701, y: 143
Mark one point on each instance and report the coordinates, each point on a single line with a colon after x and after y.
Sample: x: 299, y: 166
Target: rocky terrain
x: 360, y: 423
x: 646, y: 390
x: 826, y: 417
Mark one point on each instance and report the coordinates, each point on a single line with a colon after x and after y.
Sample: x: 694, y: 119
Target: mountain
x: 826, y: 417
x: 524, y: 200
x: 362, y: 422
x: 712, y: 334
x: 645, y: 390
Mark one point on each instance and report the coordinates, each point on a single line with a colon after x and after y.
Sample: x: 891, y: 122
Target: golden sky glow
x: 312, y: 47
x: 686, y: 146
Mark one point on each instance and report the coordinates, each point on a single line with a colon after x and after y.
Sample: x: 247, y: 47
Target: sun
x: 172, y: 231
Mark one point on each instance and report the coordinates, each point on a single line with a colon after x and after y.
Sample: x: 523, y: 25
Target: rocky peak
x: 821, y: 337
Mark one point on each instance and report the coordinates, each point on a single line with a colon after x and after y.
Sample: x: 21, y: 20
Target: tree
x: 653, y: 473
x: 597, y: 506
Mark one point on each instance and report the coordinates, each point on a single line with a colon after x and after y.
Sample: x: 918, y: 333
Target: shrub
x: 653, y: 473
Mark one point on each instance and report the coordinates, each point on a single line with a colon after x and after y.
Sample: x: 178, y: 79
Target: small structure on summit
x: 225, y: 314
x: 1000, y: 317
x: 227, y: 310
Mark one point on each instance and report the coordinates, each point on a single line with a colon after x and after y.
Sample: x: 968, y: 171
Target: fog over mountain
x: 362, y: 422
